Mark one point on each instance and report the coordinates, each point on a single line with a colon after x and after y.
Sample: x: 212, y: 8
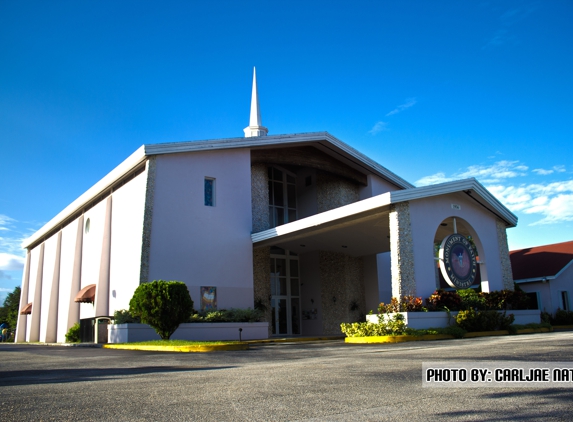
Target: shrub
x: 562, y: 317
x: 73, y: 334
x: 163, y: 305
x: 394, y: 326
x: 470, y: 299
x: 228, y: 315
x: 406, y: 304
x: 442, y: 300
x: 124, y: 317
x: 472, y: 320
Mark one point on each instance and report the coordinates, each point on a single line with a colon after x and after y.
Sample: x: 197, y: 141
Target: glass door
x: 285, y: 292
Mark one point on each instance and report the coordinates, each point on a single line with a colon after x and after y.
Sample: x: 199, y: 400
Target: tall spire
x: 255, y: 127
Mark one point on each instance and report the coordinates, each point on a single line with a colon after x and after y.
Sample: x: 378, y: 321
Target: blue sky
x: 432, y: 90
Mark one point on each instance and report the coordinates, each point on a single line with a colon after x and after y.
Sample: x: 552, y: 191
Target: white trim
x: 378, y: 204
x: 534, y: 280
x: 288, y: 139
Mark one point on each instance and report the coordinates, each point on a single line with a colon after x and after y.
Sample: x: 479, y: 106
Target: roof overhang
x: 324, y: 141
x: 361, y: 228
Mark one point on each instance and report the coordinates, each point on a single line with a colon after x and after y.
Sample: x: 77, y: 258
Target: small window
x: 87, y: 228
x: 565, y: 300
x: 209, y: 192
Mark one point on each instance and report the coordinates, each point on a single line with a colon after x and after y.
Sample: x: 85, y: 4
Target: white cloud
x: 378, y: 127
x: 409, y: 103
x: 552, y: 201
x: 542, y: 172
x: 9, y: 262
x: 433, y: 179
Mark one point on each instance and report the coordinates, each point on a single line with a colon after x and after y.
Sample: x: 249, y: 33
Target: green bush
x: 228, y: 315
x: 473, y: 321
x: 562, y: 317
x: 394, y: 326
x: 470, y: 299
x: 163, y: 305
x: 124, y: 317
x: 73, y: 334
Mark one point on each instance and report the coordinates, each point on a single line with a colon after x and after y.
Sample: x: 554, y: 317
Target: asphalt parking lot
x: 320, y: 381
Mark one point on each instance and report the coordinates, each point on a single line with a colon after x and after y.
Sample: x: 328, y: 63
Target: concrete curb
x: 185, y: 349
x: 431, y: 337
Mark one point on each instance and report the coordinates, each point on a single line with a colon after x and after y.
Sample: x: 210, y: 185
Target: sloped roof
x: 321, y: 140
x: 541, y: 261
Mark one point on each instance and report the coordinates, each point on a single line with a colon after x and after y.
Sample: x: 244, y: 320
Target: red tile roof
x: 540, y: 261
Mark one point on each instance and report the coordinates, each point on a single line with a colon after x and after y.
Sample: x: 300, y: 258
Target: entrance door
x: 285, y: 292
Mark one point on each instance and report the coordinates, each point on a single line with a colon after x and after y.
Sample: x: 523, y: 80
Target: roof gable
x: 541, y: 261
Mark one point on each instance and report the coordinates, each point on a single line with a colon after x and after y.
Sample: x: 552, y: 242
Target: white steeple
x: 255, y: 128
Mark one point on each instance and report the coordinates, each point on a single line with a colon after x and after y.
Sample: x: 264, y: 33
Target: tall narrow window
x: 209, y: 192
x: 282, y: 197
x: 565, y: 300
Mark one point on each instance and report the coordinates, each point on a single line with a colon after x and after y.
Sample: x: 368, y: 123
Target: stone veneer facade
x: 342, y: 290
x: 401, y: 251
x: 333, y: 191
x: 261, y: 256
x: 147, y: 217
x: 506, y: 272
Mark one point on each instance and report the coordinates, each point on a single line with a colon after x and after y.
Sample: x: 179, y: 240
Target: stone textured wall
x: 333, y: 191
x: 147, y: 218
x: 262, y: 280
x: 504, y: 255
x: 401, y: 251
x: 260, y: 197
x: 342, y: 288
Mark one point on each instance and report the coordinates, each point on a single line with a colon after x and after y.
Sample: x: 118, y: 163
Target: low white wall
x: 421, y: 320
x: 198, y: 331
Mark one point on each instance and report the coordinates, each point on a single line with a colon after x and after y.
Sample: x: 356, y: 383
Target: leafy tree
x: 163, y: 305
x: 9, y: 312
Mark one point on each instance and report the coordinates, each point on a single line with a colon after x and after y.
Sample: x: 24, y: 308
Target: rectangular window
x: 565, y: 300
x: 209, y: 192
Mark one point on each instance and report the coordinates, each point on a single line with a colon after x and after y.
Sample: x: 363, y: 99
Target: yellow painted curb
x: 427, y: 337
x: 293, y: 339
x: 186, y: 349
x: 396, y: 339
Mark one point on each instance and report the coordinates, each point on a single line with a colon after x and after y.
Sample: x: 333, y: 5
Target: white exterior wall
x: 67, y: 292
x: 426, y: 216
x: 564, y: 282
x: 376, y: 186
x: 91, y: 252
x: 126, y: 239
x: 202, y: 245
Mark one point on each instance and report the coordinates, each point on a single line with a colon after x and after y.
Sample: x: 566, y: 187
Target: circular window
x: 87, y: 230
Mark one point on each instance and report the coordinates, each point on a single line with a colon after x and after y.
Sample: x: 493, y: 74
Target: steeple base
x: 251, y: 131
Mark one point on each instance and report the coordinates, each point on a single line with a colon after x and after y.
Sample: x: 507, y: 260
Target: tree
x: 163, y: 305
x: 9, y: 312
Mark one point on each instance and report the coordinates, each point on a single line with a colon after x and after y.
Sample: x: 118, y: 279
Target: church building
x: 301, y: 225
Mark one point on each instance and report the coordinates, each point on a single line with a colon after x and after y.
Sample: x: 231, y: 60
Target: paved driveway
x: 327, y: 381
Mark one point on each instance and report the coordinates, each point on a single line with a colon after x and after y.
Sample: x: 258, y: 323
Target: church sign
x: 458, y: 262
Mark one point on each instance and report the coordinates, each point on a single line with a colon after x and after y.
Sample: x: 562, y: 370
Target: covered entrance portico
x: 357, y: 255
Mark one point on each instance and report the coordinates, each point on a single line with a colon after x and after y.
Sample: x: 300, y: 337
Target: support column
x: 75, y: 287
x: 506, y: 273
x: 52, y: 314
x: 102, y: 289
x: 401, y: 251
x: 20, y: 335
x: 147, y: 220
x: 34, y: 334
